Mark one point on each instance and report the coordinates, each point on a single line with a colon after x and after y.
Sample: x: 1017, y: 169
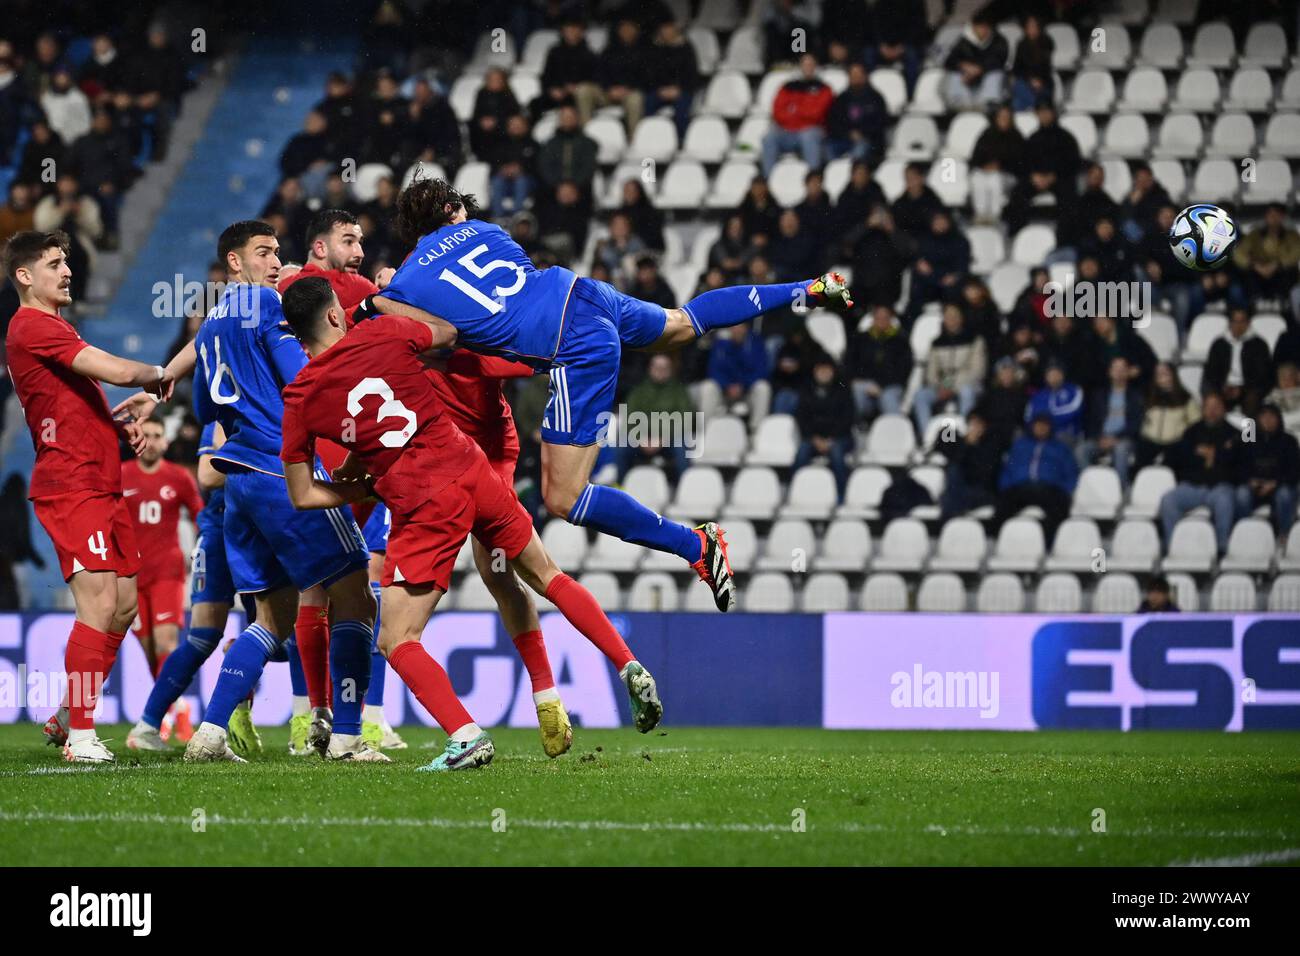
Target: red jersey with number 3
x: 154, y: 500
x: 370, y: 393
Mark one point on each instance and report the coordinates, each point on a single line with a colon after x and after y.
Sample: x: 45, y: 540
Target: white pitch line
x: 1248, y: 859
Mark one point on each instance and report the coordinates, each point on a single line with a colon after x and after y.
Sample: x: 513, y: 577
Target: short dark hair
x: 25, y: 248
x: 324, y: 221
x: 421, y: 208
x: 304, y: 302
x: 236, y: 236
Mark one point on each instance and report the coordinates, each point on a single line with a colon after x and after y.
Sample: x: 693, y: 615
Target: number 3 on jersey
x: 391, y: 408
x: 481, y: 272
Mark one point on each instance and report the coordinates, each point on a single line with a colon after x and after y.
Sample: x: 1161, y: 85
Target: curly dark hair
x: 427, y: 205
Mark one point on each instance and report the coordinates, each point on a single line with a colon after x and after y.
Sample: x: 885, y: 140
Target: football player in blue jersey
x: 479, y: 290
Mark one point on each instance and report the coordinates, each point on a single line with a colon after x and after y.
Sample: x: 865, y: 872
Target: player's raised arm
x: 444, y: 333
x: 114, y: 370
x: 309, y: 493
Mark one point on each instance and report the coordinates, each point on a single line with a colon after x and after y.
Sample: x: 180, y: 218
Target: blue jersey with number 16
x: 473, y: 275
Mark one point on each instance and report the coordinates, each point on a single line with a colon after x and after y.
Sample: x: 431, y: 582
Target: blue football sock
x: 297, y: 681
x: 617, y: 513
x: 720, y: 308
x: 178, y: 671
x: 378, y: 665
x: 350, y: 643
x: 240, y: 672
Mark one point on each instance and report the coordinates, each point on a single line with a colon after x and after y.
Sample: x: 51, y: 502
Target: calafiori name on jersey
x: 447, y: 245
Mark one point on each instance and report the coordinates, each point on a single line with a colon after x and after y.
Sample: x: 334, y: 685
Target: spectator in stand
x: 799, y: 115
x: 1270, y: 471
x: 1205, y: 462
x: 1061, y: 401
x: 976, y: 66
x: 878, y: 259
x: 974, y: 465
x: 1268, y: 257
x: 1287, y: 396
x: 914, y: 210
x: 381, y: 210
x: 78, y: 216
x: 996, y: 161
x: 1023, y: 345
x: 738, y: 371
x: 647, y: 221
x: 1002, y: 407
x: 861, y: 195
x: 1159, y: 599
x: 760, y: 212
x: 1065, y: 342
x: 290, y: 203
x: 674, y: 59
x: 66, y: 106
x: 387, y: 134
x: 856, y: 123
x: 1031, y: 305
x: 1169, y: 280
x: 1040, y: 470
x: 42, y: 157
x: 954, y: 369
x: 896, y: 36
x: 649, y: 286
x: 1108, y: 341
x: 784, y: 21
x: 733, y: 250
x: 621, y: 243
x: 36, y: 72
x: 513, y: 163
x: 1114, y: 254
x: 1054, y: 147
x: 1145, y: 197
x: 570, y: 71
x: 433, y: 132
x: 941, y: 263
x: 570, y: 154
x: 155, y: 81
x: 1238, y: 365
x: 1092, y: 204
x: 1170, y: 410
x: 493, y: 106
x: 523, y: 230
x: 879, y: 364
x: 1031, y: 69
x: 623, y: 72
x: 18, y: 214
x: 825, y: 418
x: 792, y: 252
x: 307, y: 148
x: 791, y: 370
x: 342, y: 116
x: 13, y: 101
x: 1113, y: 423
x: 982, y: 315
x: 660, y: 393
x: 816, y: 212
x: 1039, y: 197
x: 101, y: 161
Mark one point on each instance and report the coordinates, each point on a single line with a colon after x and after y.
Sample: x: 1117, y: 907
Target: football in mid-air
x: 1202, y: 237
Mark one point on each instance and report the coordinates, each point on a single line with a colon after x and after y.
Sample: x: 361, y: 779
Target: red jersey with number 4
x: 350, y: 287
x: 371, y: 394
x: 154, y: 500
x: 67, y: 413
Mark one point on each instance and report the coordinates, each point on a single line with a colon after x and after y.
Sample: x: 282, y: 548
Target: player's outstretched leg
x: 176, y: 675
x: 300, y: 712
x: 375, y: 728
x: 311, y: 635
x: 352, y: 634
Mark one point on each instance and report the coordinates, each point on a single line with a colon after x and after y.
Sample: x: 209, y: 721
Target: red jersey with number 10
x: 370, y: 393
x: 154, y: 500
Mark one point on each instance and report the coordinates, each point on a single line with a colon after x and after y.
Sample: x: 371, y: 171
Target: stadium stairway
x: 226, y: 165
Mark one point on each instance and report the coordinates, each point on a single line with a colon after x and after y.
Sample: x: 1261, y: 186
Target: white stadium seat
x: 884, y: 592
x: 787, y: 181
x: 1135, y: 546
x: 1093, y: 92
x: 1233, y: 136
x: 742, y: 545
x: 756, y: 493
x: 812, y: 494
x: 775, y: 443
x: 768, y: 593
x: 1265, y: 46
x: 725, y: 442
x: 1233, y: 592
x: 1000, y: 594
x: 845, y: 546
x: 653, y: 591
x: 1250, y: 89
x: 566, y: 543
x: 790, y: 546
x: 648, y: 485
x: 1198, y: 91
x: 941, y: 593
x: 824, y: 594
x: 610, y: 136
x: 745, y: 50
x: 889, y: 84
x: 1083, y: 128
x: 731, y: 184
x: 728, y: 94
x: 1065, y: 50
x: 1058, y: 594
x: 1116, y: 593
x: 1075, y: 546
x: 748, y: 142
x: 1161, y: 47
x: 697, y: 599
x: 707, y: 139
x: 613, y: 554
x: 1160, y: 332
x: 915, y: 137
x: 1214, y: 46
x: 1250, y: 547
x: 536, y: 47
x: 604, y: 588
x: 1192, y: 547
x: 1118, y: 49
x: 1205, y: 329
x: 1282, y: 135
x: 1285, y: 593
x: 927, y: 97
x: 1290, y: 96
x: 1273, y: 182
x: 925, y: 329
x: 890, y: 442
x: 700, y: 494
x: 964, y: 130
x: 962, y: 546
x: 903, y: 547
x: 1181, y: 137
x: 707, y: 52
x: 1170, y: 174
x: 683, y: 186
x: 1184, y: 592
x: 366, y: 186
x: 986, y: 247
x: 1216, y: 180
x: 1019, y: 546
x: 1127, y: 136
x: 1006, y: 283
x: 1097, y: 494
x: 862, y: 495
x: 1290, y: 560
x: 1145, y: 91
x: 948, y: 178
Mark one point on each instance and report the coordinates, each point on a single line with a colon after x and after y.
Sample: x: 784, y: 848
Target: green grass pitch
x: 686, y: 796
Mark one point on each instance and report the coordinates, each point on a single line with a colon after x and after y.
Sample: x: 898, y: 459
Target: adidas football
x: 1202, y: 237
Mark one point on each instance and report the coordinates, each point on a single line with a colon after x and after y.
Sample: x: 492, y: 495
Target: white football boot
x: 353, y: 747
x: 84, y: 746
x: 208, y: 745
x: 146, y: 737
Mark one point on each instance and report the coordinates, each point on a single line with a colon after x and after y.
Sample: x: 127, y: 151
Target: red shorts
x: 505, y: 468
x: 423, y: 544
x: 91, y: 531
x: 161, y: 602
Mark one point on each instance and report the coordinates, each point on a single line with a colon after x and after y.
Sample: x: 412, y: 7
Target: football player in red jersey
x: 334, y: 253
x: 369, y: 391
x: 76, y: 484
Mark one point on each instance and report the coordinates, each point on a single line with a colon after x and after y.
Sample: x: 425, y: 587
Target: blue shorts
x: 270, y: 544
x: 598, y: 323
x: 210, y: 581
x: 376, y: 530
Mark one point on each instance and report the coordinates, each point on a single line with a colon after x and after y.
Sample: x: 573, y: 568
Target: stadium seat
x: 1250, y: 547
x: 1214, y: 47
x: 927, y: 97
x: 1265, y: 46
x: 768, y: 86
x: 1273, y: 182
x: 1116, y: 593
x: 1098, y: 494
x: 884, y: 592
x: 775, y: 443
x: 768, y: 593
x: 707, y: 51
x: 465, y: 556
x: 1181, y: 137
x: 1075, y: 547
x: 1290, y: 560
x: 889, y: 176
x: 724, y: 442
x: 613, y: 554
x: 827, y: 330
x: 366, y: 187
x: 756, y: 493
x: 925, y: 329
x: 962, y: 546
x: 700, y: 494
x: 471, y: 594
x: 787, y: 181
x: 1161, y: 333
x: 718, y: 14
x: 745, y: 51
x: 1000, y: 594
x: 1205, y: 329
x: 890, y: 442
x: 824, y: 594
x: 1233, y: 592
x: 790, y: 546
x: 1285, y: 593
x: 862, y: 495
x: 683, y: 186
x: 845, y: 546
x: 536, y: 47
x: 1119, y: 180
x: 604, y: 588
x: 1019, y: 546
x: 1282, y: 136
x: 525, y: 85
x: 1290, y: 95
x: 697, y: 599
x: 1198, y: 91
x: 748, y: 142
x: 1192, y: 547
x: 963, y: 131
x: 1065, y: 49
x: 1184, y: 592
x: 889, y: 84
x: 463, y: 93
x: 728, y: 94
x: 1251, y: 90
x: 1083, y: 128
x: 494, y: 48
x: 1180, y: 12
x: 1269, y: 326
x: 1058, y: 594
x: 654, y: 591
x: 1233, y: 136
x: 707, y: 139
x: 1170, y: 174
x: 1118, y: 48
x: 473, y: 178
x: 612, y: 197
x: 1093, y: 92
x: 731, y: 184
x: 566, y: 543
x: 1161, y: 47
x: 1006, y: 283
x: 903, y: 547
x: 950, y: 181
x: 1190, y: 377
x: 914, y: 138
x: 986, y: 247
x: 1127, y: 136
x: 940, y: 593
x: 932, y: 478
x: 1145, y: 91
x: 812, y: 494
x: 647, y: 484
x: 1135, y: 546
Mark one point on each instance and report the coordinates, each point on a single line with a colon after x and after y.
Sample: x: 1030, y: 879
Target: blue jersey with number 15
x: 473, y: 275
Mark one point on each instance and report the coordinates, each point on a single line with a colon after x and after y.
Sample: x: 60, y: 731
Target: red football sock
x: 83, y: 662
x: 430, y: 685
x: 112, y: 642
x: 533, y: 651
x: 158, y: 663
x: 580, y: 607
x: 312, y: 631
